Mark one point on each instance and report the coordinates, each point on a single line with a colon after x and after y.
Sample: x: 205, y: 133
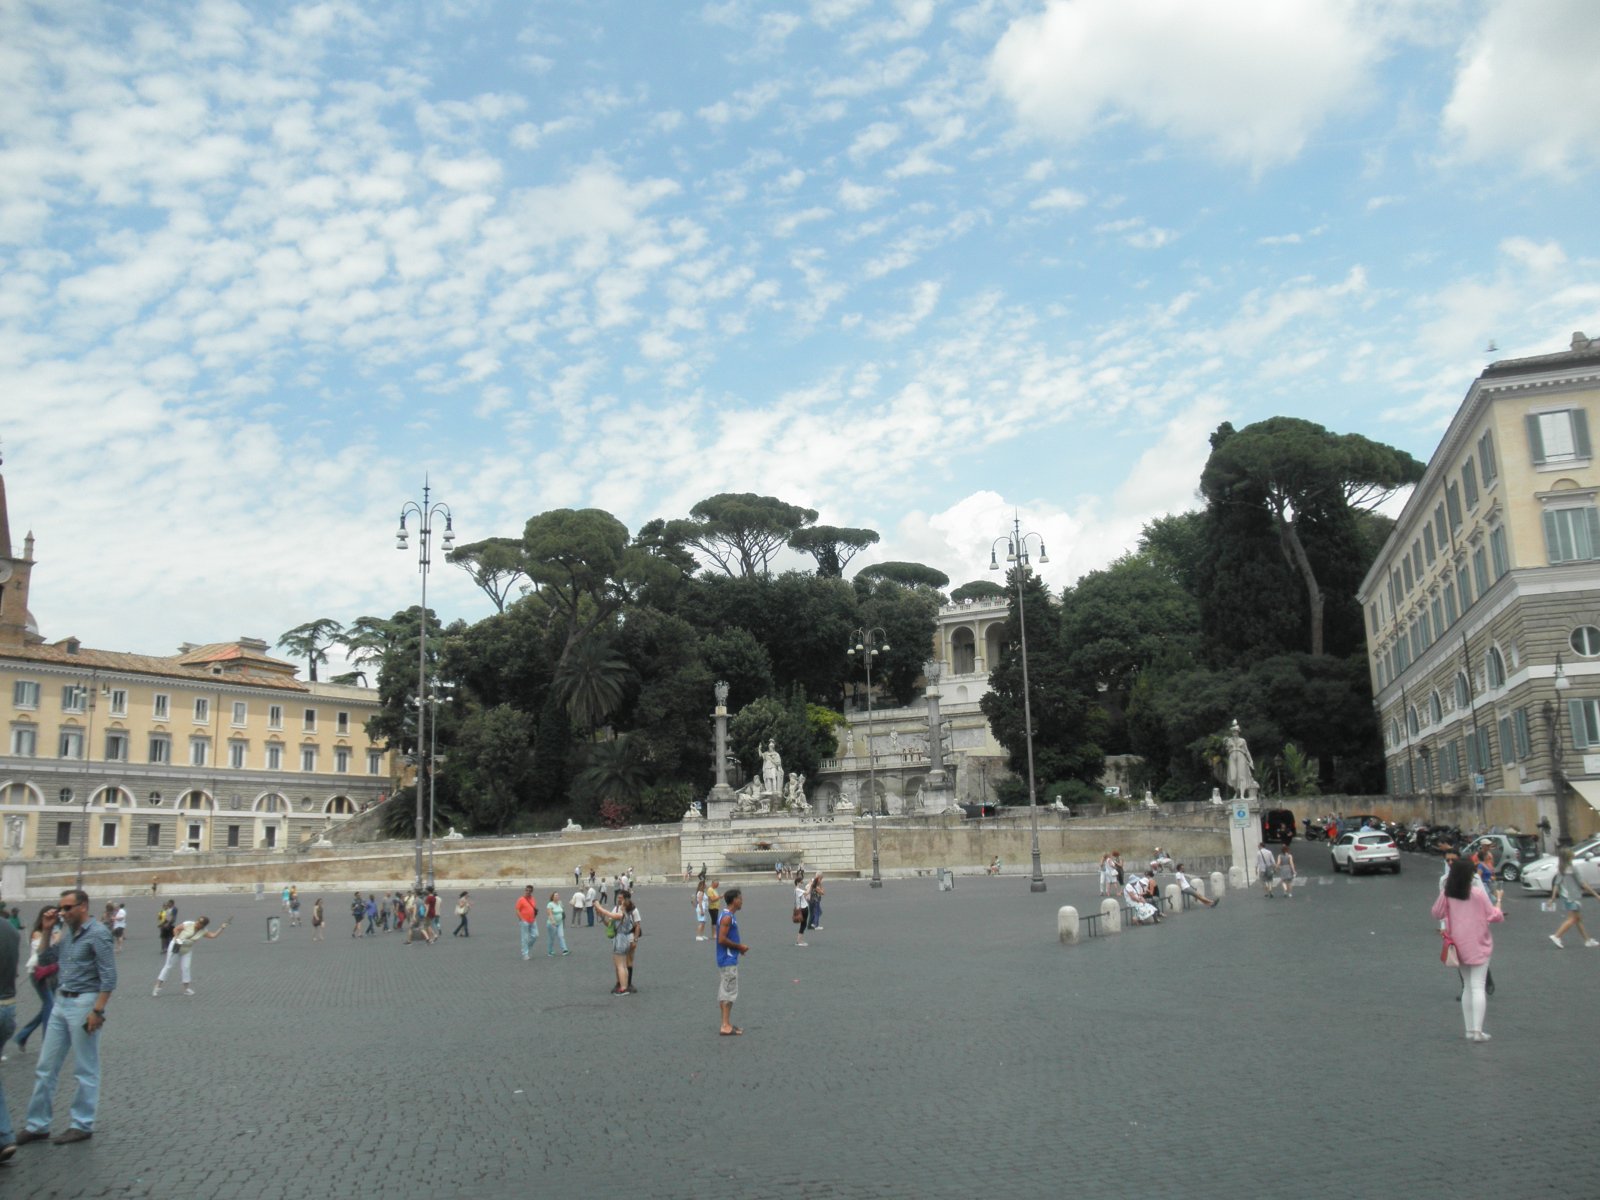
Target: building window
x: 1585, y: 640
x: 1438, y: 618
x: 1558, y: 437
x: 341, y: 760
x: 196, y: 833
x: 1450, y: 761
x: 310, y: 722
x: 1479, y: 757
x: 1496, y: 667
x: 1405, y: 566
x: 24, y: 741
x: 1450, y: 612
x: 1439, y: 529
x: 1416, y: 559
x: 1486, y: 459
x: 1585, y: 716
x: 116, y: 746
x: 1508, y: 744
x: 1435, y: 708
x: 74, y: 698
x: 342, y: 724
x: 152, y: 834
x: 199, y: 751
x: 241, y: 712
x: 375, y: 758
x: 308, y: 758
x: 1395, y: 593
x: 1499, y: 556
x: 1452, y: 502
x: 270, y: 835
x: 1572, y: 534
x: 1519, y: 729
x: 274, y: 758
x: 161, y: 706
x: 275, y: 716
x: 160, y: 749
x: 236, y: 753
x: 1480, y: 570
x: 1427, y: 543
x: 1464, y: 586
x: 108, y: 835
x: 1427, y: 629
x: 1463, y: 690
x: 25, y: 694
x: 70, y: 744
x: 1469, y: 482
x: 63, y: 833
x: 233, y: 837
x: 1411, y: 720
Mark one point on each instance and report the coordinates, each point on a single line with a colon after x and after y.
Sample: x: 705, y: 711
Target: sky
x: 919, y: 265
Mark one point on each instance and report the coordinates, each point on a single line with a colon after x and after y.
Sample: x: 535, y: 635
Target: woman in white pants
x: 182, y: 949
x: 1468, y: 912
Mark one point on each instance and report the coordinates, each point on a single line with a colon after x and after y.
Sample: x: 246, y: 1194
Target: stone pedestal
x: 1237, y: 877
x: 13, y: 880
x: 1067, y: 925
x: 1110, y: 915
x: 720, y: 803
x: 1174, y: 898
x: 1218, y: 888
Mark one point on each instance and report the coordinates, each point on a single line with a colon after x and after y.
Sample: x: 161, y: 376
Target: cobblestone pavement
x: 925, y: 1044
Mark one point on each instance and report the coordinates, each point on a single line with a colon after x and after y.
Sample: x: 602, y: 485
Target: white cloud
x: 857, y: 197
x: 1059, y: 200
x: 1527, y: 89
x: 874, y: 139
x: 1250, y: 81
x: 924, y: 299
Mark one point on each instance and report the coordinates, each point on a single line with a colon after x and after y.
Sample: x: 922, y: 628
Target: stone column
x: 719, y: 804
x: 938, y: 793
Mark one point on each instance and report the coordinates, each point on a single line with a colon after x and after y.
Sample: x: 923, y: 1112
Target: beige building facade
x: 216, y: 748
x: 1483, y: 608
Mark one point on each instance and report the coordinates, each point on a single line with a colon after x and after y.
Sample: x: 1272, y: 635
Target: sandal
x: 734, y: 1032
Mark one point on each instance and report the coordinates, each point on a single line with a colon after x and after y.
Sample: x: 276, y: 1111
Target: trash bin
x: 947, y: 880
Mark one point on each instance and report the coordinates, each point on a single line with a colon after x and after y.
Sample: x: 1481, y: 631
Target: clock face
x: 5, y: 571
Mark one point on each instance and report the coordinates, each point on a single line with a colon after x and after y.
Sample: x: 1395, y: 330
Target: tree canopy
x: 908, y: 574
x: 832, y: 547
x: 311, y: 641
x: 740, y: 531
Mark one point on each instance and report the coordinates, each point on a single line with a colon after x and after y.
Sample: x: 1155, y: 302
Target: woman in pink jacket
x: 1468, y: 912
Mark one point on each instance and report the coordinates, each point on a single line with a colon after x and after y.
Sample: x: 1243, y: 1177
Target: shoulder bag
x: 1447, y: 953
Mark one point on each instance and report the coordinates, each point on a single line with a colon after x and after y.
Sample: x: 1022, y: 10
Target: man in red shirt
x: 528, y: 914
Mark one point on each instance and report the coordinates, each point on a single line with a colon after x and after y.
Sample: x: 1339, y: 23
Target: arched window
x: 1463, y: 690
x: 1394, y: 732
x: 963, y: 652
x: 1435, y: 708
x: 1497, y: 668
x: 195, y: 801
x: 271, y: 803
x: 340, y: 804
x: 1411, y: 720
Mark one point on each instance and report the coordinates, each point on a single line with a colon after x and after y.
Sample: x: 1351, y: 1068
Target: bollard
x: 1110, y: 915
x: 1237, y: 877
x: 1174, y: 898
x: 1067, y: 925
x: 1218, y: 888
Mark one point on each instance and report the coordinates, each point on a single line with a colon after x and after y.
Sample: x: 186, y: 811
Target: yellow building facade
x: 1483, y: 608
x: 216, y: 748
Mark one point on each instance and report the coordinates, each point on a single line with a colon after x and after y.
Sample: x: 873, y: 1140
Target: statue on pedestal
x: 771, y: 769
x: 747, y: 800
x: 1240, y: 765
x: 692, y: 814
x: 16, y: 828
x: 453, y: 836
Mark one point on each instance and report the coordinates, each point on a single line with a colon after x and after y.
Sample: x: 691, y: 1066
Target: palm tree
x: 310, y: 642
x: 591, y: 680
x: 611, y: 771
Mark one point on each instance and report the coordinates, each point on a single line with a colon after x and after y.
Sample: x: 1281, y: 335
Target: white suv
x: 1366, y: 850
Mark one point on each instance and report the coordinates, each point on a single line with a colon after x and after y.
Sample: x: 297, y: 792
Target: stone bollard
x: 1218, y: 888
x: 1067, y: 925
x: 1110, y: 915
x: 1236, y: 878
x: 1174, y: 898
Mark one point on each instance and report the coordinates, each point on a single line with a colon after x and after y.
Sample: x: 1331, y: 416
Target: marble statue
x: 771, y: 769
x: 453, y: 836
x: 16, y: 828
x: 844, y: 741
x: 747, y: 799
x: 692, y: 813
x: 1240, y: 764
x: 571, y: 827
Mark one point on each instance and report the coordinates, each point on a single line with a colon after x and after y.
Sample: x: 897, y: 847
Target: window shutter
x: 1552, y: 537
x: 1591, y: 520
x: 1580, y: 736
x: 1535, y: 438
x: 1580, y: 432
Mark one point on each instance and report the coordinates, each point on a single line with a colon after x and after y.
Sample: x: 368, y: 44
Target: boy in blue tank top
x: 729, y: 951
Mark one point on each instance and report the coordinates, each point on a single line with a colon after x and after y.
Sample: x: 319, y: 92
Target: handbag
x: 44, y: 970
x: 1447, y: 953
x: 796, y: 917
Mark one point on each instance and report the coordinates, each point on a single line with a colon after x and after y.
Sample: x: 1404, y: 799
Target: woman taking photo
x: 42, y: 969
x: 1467, y: 913
x: 621, y: 928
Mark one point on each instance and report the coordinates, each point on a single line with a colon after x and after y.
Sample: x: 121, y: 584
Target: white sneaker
x: 1591, y: 942
x: 156, y: 991
x: 802, y: 943
x: 188, y: 991
x: 1557, y: 941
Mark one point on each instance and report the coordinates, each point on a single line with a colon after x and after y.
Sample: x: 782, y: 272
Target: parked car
x: 1512, y: 852
x: 1539, y: 875
x: 1370, y: 851
x: 1277, y: 826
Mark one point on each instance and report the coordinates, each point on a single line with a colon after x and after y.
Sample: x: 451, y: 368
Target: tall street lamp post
x: 869, y: 643
x: 425, y: 513
x: 1017, y: 554
x: 1558, y: 773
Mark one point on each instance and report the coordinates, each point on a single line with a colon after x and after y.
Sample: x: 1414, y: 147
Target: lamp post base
x: 1036, y: 885
x: 877, y: 883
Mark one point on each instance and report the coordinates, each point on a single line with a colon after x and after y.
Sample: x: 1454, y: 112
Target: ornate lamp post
x: 869, y: 643
x: 425, y: 513
x: 1558, y: 773
x: 1017, y: 553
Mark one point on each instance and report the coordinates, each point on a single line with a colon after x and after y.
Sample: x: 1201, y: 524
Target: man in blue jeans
x: 8, y: 1024
x: 84, y: 985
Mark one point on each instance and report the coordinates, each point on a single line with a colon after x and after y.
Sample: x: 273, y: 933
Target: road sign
x: 1241, y: 816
